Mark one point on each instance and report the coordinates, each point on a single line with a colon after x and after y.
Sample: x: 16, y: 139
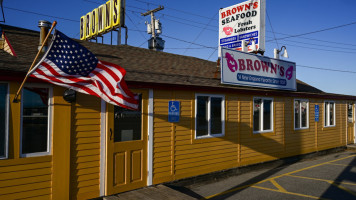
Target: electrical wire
x: 327, y: 69
x: 201, y: 32
x: 314, y: 39
x: 274, y: 35
x: 135, y: 25
x: 36, y: 13
x: 314, y: 44
x: 329, y: 50
x: 181, y: 11
x: 317, y: 31
x: 214, y: 30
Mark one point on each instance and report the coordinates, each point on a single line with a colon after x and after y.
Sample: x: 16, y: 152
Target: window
x: 209, y: 115
x: 350, y: 115
x: 35, y: 120
x: 329, y: 113
x: 301, y: 114
x: 4, y: 102
x: 127, y: 123
x: 262, y: 115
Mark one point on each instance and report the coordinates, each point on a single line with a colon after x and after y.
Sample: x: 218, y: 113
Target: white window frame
x: 300, y: 111
x: 327, y: 114
x: 7, y: 102
x: 209, y: 115
x: 261, y: 115
x: 49, y: 128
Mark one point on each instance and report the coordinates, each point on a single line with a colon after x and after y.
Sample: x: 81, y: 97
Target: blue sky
x: 191, y: 28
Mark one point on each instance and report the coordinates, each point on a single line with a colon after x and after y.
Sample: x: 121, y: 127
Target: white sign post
x: 241, y: 22
x: 247, y: 69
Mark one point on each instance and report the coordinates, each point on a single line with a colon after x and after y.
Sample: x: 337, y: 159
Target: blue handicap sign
x: 173, y: 111
x: 316, y: 113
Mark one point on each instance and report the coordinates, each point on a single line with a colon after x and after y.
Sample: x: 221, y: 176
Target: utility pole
x: 153, y: 28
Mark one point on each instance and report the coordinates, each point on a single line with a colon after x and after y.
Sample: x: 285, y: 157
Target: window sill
x: 208, y: 138
x: 28, y: 155
x: 262, y: 132
x: 329, y: 126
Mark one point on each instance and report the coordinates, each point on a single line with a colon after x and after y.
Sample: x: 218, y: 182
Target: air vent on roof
x: 45, y: 26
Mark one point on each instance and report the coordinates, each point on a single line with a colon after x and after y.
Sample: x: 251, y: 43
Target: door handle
x: 110, y: 133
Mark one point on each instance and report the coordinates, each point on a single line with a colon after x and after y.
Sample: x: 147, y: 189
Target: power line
x: 317, y: 31
x: 329, y: 50
x: 327, y: 69
x: 274, y: 35
x: 326, y: 41
x: 189, y: 42
x: 36, y: 13
x: 181, y: 11
x: 201, y: 32
x: 214, y: 30
x: 318, y: 44
x: 135, y: 26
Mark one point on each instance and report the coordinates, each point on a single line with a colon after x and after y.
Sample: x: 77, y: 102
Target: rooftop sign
x: 241, y: 22
x: 246, y: 69
x: 101, y: 20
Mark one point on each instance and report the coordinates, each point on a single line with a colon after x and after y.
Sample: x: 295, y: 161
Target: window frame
x: 327, y: 114
x: 7, y: 115
x: 300, y: 111
x: 222, y: 134
x: 50, y: 118
x: 261, y: 115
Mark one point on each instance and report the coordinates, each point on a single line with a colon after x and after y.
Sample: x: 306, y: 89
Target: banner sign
x: 246, y: 69
x: 101, y: 20
x: 241, y: 22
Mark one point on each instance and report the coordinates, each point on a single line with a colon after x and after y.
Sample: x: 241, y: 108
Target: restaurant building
x: 188, y: 124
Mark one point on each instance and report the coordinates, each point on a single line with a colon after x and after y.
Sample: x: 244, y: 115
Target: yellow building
x: 54, y: 149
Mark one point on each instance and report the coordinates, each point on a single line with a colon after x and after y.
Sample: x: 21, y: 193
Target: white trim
x: 209, y: 116
x: 103, y: 134
x: 7, y: 112
x: 50, y: 118
x: 327, y: 114
x: 261, y: 115
x: 150, y: 139
x: 354, y: 119
x: 300, y: 111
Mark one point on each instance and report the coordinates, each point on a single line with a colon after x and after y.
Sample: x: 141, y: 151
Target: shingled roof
x: 142, y: 65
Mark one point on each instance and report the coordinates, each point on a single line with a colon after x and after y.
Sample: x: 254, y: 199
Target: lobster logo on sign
x: 228, y: 30
x: 231, y: 62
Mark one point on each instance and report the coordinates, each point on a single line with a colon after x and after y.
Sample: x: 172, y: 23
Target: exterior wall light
x: 284, y: 54
x: 69, y: 95
x: 244, y: 47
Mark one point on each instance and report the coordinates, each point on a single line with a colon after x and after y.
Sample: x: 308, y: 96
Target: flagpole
x: 34, y: 61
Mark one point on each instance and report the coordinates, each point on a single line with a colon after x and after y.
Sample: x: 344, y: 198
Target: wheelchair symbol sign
x: 173, y: 111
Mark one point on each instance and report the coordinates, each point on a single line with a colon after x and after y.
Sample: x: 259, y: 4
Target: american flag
x: 69, y: 64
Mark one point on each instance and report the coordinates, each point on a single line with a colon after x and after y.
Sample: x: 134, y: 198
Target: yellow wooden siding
x: 163, y: 138
x: 177, y: 154
x: 26, y: 178
x: 85, y: 148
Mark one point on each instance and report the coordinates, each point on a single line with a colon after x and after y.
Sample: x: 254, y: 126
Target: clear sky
x: 327, y: 31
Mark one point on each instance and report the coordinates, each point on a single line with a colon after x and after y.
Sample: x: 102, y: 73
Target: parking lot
x: 327, y: 177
